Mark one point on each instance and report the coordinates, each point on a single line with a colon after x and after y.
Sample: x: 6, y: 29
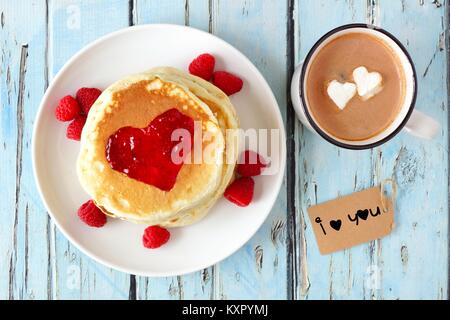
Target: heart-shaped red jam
x: 145, y: 154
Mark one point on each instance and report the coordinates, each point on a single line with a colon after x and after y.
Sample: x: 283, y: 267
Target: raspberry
x: 203, y: 66
x: 251, y: 165
x: 91, y: 215
x: 227, y: 82
x: 86, y: 97
x: 75, y: 127
x: 154, y: 237
x: 67, y: 109
x: 240, y: 191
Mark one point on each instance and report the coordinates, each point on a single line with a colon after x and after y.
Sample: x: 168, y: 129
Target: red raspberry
x: 86, y: 97
x: 240, y: 191
x: 154, y: 237
x: 251, y: 164
x: 67, y: 109
x: 91, y: 215
x: 227, y: 82
x: 75, y: 127
x: 203, y: 66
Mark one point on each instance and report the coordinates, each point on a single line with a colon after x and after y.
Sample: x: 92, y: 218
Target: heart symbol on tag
x: 341, y: 93
x: 336, y: 224
x: 362, y: 214
x: 145, y: 154
x: 368, y: 83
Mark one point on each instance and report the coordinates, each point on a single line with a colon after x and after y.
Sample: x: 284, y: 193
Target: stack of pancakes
x: 135, y: 101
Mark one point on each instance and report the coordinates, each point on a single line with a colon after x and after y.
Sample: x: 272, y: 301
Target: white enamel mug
x: 414, y: 122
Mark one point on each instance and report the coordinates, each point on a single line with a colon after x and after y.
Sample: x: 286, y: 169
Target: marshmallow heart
x: 341, y: 93
x: 368, y: 83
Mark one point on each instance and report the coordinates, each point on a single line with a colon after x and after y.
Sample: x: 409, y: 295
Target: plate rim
x: 38, y: 178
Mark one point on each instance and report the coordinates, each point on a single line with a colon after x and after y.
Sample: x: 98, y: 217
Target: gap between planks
x: 291, y: 223
x: 19, y: 151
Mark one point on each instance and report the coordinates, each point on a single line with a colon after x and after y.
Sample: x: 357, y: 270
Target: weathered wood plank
x: 411, y: 263
x: 325, y: 172
x: 414, y: 259
x: 198, y: 285
x: 24, y: 253
x: 73, y: 24
x: 376, y: 270
x: 258, y: 29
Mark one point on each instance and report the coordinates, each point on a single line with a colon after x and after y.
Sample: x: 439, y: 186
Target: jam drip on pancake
x: 145, y: 154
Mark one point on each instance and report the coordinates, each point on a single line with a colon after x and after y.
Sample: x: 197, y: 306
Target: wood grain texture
x: 24, y: 254
x: 381, y: 269
x: 72, y: 25
x: 325, y: 172
x: 258, y: 29
x: 418, y: 248
x: 281, y: 261
x: 260, y: 261
x: 198, y: 285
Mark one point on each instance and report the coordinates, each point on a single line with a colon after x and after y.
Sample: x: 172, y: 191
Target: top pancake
x: 135, y: 101
x: 224, y: 111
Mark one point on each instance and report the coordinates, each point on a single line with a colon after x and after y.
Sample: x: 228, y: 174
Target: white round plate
x: 119, y: 244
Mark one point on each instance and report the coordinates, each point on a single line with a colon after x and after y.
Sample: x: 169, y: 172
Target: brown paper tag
x: 351, y: 220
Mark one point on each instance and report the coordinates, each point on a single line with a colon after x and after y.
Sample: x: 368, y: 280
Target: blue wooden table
x: 282, y: 260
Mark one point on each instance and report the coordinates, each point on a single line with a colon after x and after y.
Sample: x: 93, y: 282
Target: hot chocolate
x: 354, y: 86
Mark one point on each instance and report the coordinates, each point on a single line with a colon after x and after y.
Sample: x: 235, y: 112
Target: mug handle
x: 422, y: 125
